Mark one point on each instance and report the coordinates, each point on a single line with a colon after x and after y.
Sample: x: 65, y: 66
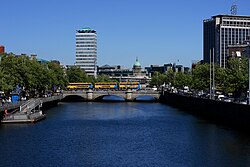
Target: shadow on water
x: 113, y: 98
x: 146, y: 99
x: 73, y: 98
x: 110, y: 98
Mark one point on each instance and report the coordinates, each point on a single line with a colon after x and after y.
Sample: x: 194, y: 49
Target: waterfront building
x: 86, y: 50
x: 125, y: 74
x: 2, y: 49
x: 221, y: 31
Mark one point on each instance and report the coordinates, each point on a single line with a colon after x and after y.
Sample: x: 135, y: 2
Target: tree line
x: 31, y: 75
x: 231, y: 80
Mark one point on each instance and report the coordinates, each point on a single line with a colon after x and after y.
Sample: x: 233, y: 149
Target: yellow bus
x: 106, y: 85
x: 129, y: 85
x: 79, y: 85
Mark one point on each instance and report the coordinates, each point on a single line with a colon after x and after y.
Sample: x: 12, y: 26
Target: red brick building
x: 2, y: 49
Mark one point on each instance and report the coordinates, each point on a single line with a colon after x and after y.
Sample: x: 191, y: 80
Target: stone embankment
x: 226, y: 113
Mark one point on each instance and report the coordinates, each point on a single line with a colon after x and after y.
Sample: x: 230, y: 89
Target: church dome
x: 137, y: 63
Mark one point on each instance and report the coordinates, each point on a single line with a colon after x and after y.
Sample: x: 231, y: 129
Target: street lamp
x: 249, y: 80
x: 212, y: 87
x: 210, y: 77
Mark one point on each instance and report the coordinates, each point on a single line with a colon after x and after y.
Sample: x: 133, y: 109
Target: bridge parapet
x: 129, y: 95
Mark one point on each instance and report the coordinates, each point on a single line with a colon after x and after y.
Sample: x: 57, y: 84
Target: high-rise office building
x: 221, y: 31
x: 86, y: 50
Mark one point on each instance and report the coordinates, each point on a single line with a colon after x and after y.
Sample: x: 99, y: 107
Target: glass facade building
x: 221, y: 31
x: 86, y: 51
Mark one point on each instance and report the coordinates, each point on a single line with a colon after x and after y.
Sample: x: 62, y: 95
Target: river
x: 121, y: 134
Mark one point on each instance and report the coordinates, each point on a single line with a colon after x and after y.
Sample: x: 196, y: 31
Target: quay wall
x: 49, y: 104
x: 226, y: 113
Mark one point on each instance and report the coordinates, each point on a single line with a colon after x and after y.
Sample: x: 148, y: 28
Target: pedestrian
x: 9, y: 101
x: 3, y: 101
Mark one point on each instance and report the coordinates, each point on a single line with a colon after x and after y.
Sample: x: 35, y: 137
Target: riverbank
x: 226, y: 113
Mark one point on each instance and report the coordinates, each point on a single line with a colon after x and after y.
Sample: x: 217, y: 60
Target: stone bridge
x: 128, y: 95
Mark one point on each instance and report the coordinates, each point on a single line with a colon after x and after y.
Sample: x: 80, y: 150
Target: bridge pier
x: 89, y: 95
x: 129, y: 95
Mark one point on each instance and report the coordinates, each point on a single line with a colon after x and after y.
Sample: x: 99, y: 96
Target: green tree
x: 201, y: 77
x: 75, y: 74
x: 158, y: 79
x: 237, y: 76
x: 182, y: 79
x: 56, y: 75
x: 170, y: 77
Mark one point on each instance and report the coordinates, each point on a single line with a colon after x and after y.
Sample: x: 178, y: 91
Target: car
x: 228, y: 100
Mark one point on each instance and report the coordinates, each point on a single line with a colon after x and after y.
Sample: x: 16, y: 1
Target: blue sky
x: 155, y: 31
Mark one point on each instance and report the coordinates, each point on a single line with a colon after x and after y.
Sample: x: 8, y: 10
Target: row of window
x: 86, y: 39
x: 234, y: 29
x: 85, y: 35
x: 236, y: 18
x: 86, y: 49
x: 236, y: 24
x: 79, y: 64
x: 89, y: 69
x: 86, y: 56
x: 86, y: 42
x: 85, y: 45
x: 94, y: 59
x: 93, y: 52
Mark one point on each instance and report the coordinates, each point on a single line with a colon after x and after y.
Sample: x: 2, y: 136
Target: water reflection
x: 145, y: 98
x: 121, y: 134
x: 113, y: 98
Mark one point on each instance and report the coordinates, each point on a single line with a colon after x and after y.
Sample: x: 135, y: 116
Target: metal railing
x: 30, y: 105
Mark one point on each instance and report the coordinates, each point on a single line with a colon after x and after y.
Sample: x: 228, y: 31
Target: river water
x: 121, y: 134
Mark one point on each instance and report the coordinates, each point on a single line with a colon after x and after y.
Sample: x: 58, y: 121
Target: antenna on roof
x: 234, y: 8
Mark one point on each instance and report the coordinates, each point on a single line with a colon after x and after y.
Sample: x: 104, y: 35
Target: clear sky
x: 155, y: 31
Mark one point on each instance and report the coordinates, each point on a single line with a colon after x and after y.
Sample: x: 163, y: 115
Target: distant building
x: 2, y: 49
x: 125, y: 74
x: 137, y: 70
x: 86, y: 51
x: 158, y: 68
x: 165, y: 68
x: 221, y: 31
x: 114, y: 71
x: 33, y: 57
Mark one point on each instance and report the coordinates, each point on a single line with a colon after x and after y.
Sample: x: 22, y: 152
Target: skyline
x: 156, y: 32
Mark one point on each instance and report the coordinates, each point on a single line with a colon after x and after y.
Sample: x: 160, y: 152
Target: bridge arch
x: 74, y: 97
x: 109, y: 98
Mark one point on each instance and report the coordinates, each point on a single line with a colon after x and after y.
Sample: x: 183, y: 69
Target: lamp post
x: 249, y: 80
x: 210, y: 78
x: 213, y: 77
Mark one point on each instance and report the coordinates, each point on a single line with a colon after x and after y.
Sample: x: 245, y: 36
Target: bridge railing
x: 114, y: 91
x: 26, y: 104
x: 52, y: 98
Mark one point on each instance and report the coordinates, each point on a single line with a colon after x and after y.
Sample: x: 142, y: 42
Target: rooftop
x: 86, y: 30
x: 235, y: 16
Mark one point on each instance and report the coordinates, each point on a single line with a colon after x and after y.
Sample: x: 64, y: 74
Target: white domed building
x: 137, y: 70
